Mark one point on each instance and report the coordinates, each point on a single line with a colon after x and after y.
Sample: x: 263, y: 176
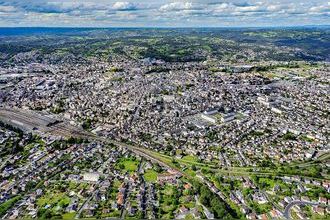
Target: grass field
x: 68, y: 216
x: 128, y: 165
x: 112, y: 214
x: 190, y: 158
x: 190, y: 172
x: 116, y: 184
x: 150, y: 176
x: 52, y: 199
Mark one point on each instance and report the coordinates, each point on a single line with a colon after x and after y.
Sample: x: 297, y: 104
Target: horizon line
x: 168, y: 27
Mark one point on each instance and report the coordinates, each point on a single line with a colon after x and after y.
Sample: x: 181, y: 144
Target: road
x: 287, y: 214
x: 4, y: 163
x: 85, y: 203
x: 322, y: 157
x: 271, y: 201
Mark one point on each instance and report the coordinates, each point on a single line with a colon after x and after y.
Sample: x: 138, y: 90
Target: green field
x: 190, y: 158
x: 52, y: 199
x: 150, y: 176
x: 68, y: 216
x: 128, y: 164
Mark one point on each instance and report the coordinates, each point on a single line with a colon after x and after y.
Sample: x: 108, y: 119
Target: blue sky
x: 163, y: 13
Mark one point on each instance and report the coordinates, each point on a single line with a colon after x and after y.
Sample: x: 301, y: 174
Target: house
x: 305, y: 199
x: 183, y: 209
x: 39, y: 192
x: 323, y: 200
x: 311, y: 153
x: 251, y: 216
x: 287, y: 199
x: 301, y: 188
x: 301, y: 215
x: 167, y: 177
x: 319, y: 210
x: 260, y: 198
x: 105, y: 211
x: 187, y: 186
x: 275, y: 213
x: 244, y: 209
x: 263, y: 216
x: 91, y: 177
x: 276, y: 188
x: 282, y: 203
x: 211, y: 111
x: 120, y: 198
x: 209, y: 118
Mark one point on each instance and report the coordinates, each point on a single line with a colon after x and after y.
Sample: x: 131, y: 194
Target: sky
x: 163, y: 13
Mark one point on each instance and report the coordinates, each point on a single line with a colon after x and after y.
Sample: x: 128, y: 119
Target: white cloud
x: 176, y: 6
x: 275, y: 8
x: 7, y: 9
x: 122, y: 6
x: 176, y: 12
x: 253, y: 8
x: 222, y: 6
x: 320, y: 8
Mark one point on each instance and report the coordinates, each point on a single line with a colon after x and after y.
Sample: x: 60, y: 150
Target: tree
x: 218, y: 208
x: 87, y: 124
x: 47, y: 214
x: 204, y: 200
x: 157, y: 168
x: 4, y: 207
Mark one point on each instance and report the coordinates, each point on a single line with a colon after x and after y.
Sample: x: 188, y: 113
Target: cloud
x: 42, y: 7
x: 320, y: 9
x: 275, y: 8
x: 177, y: 6
x: 7, y: 9
x: 66, y: 6
x: 124, y: 6
x: 163, y: 12
x: 253, y: 8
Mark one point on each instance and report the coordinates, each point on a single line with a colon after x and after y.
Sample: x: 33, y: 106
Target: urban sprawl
x: 147, y: 139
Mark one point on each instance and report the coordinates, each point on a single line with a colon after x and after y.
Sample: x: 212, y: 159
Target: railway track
x: 35, y: 123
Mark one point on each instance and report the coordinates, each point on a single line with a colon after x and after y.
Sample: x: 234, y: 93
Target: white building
x: 92, y: 177
x: 209, y: 118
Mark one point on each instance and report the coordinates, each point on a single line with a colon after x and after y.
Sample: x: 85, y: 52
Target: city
x: 164, y: 123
